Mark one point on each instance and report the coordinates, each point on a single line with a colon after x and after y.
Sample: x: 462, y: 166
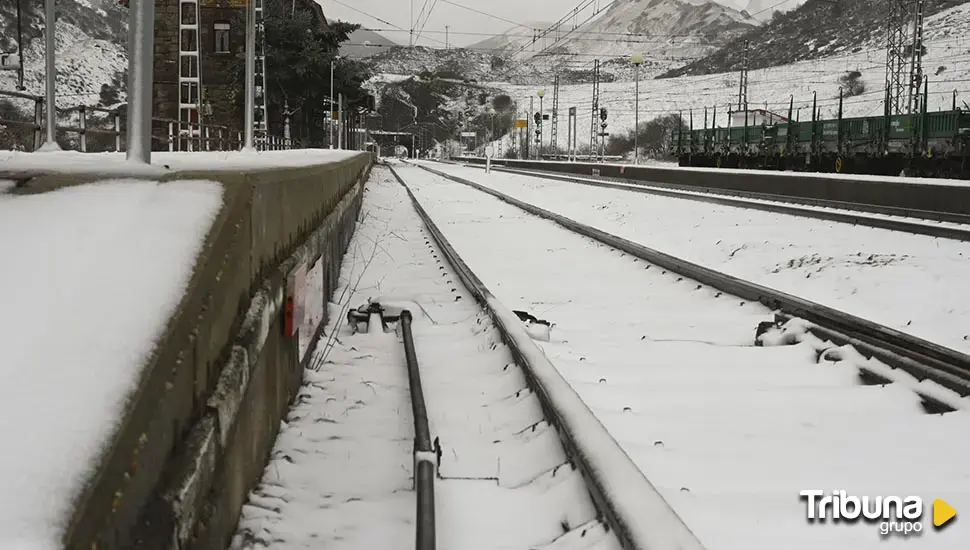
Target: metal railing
x: 179, y: 137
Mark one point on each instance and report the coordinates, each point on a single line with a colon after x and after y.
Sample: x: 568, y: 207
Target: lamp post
x: 332, y: 63
x: 637, y: 60
x: 541, y: 93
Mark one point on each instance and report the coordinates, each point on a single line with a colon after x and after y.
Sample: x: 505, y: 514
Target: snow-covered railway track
x: 622, y: 495
x: 920, y: 222
x: 729, y: 432
x: 505, y: 474
x: 922, y: 359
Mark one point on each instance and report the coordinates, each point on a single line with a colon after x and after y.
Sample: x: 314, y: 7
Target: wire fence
x: 98, y: 129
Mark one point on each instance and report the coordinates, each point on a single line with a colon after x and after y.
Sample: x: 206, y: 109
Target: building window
x: 221, y: 31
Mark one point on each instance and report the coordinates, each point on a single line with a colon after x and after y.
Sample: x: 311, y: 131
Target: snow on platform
x: 70, y: 162
x: 728, y: 432
x: 90, y: 277
x: 913, y: 283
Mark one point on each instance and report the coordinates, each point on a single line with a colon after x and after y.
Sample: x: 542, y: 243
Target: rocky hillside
x: 91, y: 36
x: 819, y: 28
x: 444, y: 106
x: 456, y: 63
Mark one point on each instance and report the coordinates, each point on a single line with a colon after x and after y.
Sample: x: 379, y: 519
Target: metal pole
x: 340, y: 121
x: 20, y: 49
x: 575, y: 136
x: 286, y: 122
x: 50, y: 24
x: 540, y: 129
x: 250, y: 121
x: 141, y: 44
x: 636, y: 117
x: 569, y: 138
x: 331, y: 102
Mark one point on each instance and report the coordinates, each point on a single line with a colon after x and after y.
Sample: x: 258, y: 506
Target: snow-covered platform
x: 109, y: 279
x: 105, y: 165
x: 90, y: 277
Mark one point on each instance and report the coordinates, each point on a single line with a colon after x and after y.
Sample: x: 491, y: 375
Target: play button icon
x: 942, y: 512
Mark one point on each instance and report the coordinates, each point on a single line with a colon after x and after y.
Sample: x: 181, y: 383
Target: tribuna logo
x: 900, y: 515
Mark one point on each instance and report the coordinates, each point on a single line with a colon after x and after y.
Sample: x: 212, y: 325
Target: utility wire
x: 516, y: 24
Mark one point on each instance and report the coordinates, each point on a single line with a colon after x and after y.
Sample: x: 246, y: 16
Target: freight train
x: 927, y: 144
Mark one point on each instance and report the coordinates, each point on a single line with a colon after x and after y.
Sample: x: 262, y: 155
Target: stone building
x: 221, y: 48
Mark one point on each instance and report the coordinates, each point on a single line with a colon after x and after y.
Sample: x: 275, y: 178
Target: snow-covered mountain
x: 516, y: 36
x: 818, y: 28
x: 762, y: 10
x: 667, y: 33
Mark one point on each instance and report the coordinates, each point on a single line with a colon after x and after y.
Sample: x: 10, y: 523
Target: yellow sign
x: 942, y: 512
x: 521, y: 123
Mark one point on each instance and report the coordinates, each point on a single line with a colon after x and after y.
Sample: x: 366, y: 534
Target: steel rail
x: 789, y: 182
x: 781, y: 204
x: 921, y: 358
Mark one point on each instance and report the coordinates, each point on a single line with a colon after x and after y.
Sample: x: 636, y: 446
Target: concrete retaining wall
x: 206, y: 414
x: 954, y: 199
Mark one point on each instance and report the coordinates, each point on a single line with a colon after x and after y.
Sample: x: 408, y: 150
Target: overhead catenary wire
x: 374, y: 17
x: 426, y: 19
x: 515, y: 23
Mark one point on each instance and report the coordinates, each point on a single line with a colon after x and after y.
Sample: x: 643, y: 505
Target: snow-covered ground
x: 90, y: 277
x: 728, y: 432
x: 162, y: 162
x: 340, y: 475
x: 947, y: 62
x: 913, y: 283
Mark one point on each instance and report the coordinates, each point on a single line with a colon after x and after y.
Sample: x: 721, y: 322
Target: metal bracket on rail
x: 365, y: 313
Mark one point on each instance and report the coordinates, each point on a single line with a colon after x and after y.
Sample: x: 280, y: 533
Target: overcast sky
x: 463, y: 22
